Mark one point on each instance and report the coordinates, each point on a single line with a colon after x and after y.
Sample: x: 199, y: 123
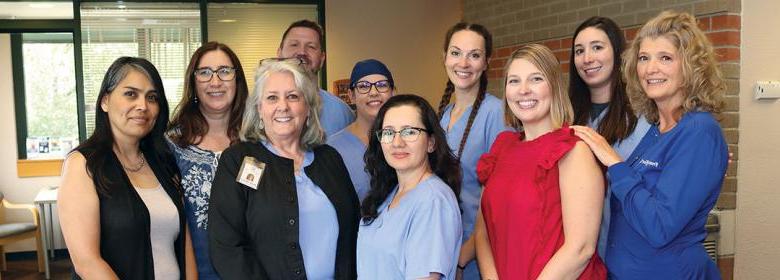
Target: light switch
x: 767, y: 90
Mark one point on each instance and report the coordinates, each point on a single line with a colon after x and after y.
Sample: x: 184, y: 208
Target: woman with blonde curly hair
x: 662, y: 194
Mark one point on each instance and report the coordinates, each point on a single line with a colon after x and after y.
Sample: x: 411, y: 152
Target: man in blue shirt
x: 302, y: 39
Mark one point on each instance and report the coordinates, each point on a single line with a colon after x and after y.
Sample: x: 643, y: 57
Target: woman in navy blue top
x: 661, y: 195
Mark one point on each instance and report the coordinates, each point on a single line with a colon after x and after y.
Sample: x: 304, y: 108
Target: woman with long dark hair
x: 472, y: 122
x: 598, y: 94
x: 662, y: 194
x: 205, y: 123
x: 411, y: 225
x: 120, y: 202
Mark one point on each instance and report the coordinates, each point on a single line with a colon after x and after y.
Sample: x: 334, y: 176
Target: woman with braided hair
x: 472, y: 122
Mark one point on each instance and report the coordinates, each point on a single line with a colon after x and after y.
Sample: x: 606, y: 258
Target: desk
x: 45, y: 199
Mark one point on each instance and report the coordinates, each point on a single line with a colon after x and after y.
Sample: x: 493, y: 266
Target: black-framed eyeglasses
x: 223, y: 73
x: 408, y: 134
x: 363, y: 87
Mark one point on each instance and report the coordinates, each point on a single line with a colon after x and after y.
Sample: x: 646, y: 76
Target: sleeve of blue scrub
x: 434, y: 238
x: 335, y: 115
x: 495, y: 121
x: 693, y: 170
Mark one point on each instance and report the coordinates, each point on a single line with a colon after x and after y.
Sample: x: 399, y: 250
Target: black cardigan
x: 253, y: 234
x: 125, y: 243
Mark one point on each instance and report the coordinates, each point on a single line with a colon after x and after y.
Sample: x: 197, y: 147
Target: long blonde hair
x: 543, y: 58
x: 703, y: 82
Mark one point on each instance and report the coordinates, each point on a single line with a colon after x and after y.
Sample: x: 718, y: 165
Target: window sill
x: 38, y: 167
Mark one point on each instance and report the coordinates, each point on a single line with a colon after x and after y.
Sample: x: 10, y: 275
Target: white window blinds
x: 254, y: 31
x: 164, y: 33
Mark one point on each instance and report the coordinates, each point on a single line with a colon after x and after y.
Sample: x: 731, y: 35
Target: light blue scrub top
x: 335, y: 115
x: 488, y: 123
x: 352, y: 150
x: 420, y: 235
x: 624, y: 148
x: 318, y: 226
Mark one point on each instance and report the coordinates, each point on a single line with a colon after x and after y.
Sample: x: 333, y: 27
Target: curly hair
x: 543, y: 58
x: 703, y: 83
x: 383, y: 177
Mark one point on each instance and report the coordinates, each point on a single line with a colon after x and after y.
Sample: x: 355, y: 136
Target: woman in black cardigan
x: 282, y: 204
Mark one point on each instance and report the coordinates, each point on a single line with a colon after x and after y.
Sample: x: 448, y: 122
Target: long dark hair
x: 188, y: 120
x: 620, y: 120
x: 383, y: 178
x: 98, y: 148
x: 483, y: 79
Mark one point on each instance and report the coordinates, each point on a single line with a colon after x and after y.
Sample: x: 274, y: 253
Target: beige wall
x: 758, y: 211
x: 15, y: 189
x: 407, y: 35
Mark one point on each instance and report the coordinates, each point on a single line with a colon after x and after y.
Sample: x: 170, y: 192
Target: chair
x: 13, y: 232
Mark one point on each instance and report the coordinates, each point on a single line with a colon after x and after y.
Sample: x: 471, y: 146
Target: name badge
x: 250, y: 172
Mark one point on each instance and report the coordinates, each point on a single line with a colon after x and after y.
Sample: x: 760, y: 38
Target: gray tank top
x: 164, y: 228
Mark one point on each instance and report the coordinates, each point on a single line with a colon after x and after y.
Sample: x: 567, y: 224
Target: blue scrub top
x: 488, y: 123
x: 318, y: 226
x: 624, y: 148
x: 334, y: 115
x: 420, y: 235
x: 661, y: 197
x: 352, y: 151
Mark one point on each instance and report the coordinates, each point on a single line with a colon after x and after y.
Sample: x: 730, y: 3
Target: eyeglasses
x: 363, y: 87
x: 408, y: 134
x: 223, y: 73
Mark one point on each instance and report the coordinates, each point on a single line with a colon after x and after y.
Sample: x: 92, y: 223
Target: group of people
x: 613, y: 177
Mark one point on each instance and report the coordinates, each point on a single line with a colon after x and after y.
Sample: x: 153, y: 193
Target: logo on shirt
x: 649, y: 163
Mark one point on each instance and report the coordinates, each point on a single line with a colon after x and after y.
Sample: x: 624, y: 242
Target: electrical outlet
x: 767, y: 90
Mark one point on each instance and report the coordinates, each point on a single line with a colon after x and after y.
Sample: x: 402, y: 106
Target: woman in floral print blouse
x: 206, y: 122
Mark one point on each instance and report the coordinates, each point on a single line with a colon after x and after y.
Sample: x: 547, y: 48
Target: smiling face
x: 283, y: 108
x: 132, y: 106
x: 659, y: 68
x: 303, y: 43
x: 406, y: 156
x: 368, y: 104
x: 528, y: 93
x: 594, y: 58
x: 465, y: 59
x: 215, y: 96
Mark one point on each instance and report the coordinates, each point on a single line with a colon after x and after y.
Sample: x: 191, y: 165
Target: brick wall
x: 552, y: 23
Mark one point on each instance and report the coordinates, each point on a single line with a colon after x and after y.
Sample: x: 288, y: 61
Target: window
x: 250, y: 36
x: 164, y: 33
x: 50, y: 113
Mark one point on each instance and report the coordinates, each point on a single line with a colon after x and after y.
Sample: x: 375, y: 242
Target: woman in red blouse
x: 541, y: 205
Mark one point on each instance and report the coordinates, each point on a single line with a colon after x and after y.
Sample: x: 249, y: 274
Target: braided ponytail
x: 445, y: 99
x: 474, y: 111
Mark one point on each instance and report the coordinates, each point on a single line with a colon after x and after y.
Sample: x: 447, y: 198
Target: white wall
x: 15, y: 189
x: 407, y: 35
x: 757, y: 248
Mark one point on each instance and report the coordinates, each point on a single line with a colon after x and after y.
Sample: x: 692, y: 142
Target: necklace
x: 137, y: 168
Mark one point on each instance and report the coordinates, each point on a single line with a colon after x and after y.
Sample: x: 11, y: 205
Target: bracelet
x: 461, y: 267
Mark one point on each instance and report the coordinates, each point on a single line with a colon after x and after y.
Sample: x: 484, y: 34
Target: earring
x: 260, y: 124
x: 195, y: 100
